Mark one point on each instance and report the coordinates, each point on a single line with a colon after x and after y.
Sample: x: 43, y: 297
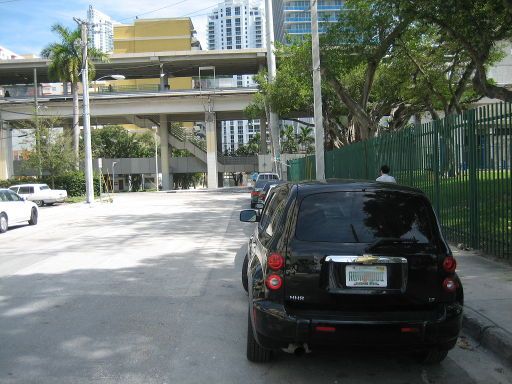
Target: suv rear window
x: 364, y: 217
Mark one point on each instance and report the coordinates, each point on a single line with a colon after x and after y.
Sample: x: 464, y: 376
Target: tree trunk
x: 363, y: 123
x: 76, y: 125
x: 483, y: 86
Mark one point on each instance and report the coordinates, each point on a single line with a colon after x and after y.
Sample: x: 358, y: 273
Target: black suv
x: 350, y: 263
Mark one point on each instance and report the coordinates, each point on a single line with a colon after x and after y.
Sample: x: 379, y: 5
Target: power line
x: 8, y: 1
x: 199, y: 10
x: 154, y: 10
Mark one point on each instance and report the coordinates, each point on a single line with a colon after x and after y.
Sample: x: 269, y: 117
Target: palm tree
x: 66, y: 65
x: 305, y: 139
x: 289, y: 140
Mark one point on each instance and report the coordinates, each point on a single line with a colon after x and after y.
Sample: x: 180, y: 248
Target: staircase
x: 181, y: 139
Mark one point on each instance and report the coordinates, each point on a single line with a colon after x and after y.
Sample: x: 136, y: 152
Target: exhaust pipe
x: 297, y: 349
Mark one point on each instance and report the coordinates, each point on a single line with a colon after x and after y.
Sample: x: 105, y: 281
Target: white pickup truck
x: 40, y: 194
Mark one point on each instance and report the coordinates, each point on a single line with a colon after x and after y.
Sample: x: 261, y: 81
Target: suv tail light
x: 449, y: 264
x: 449, y: 285
x: 274, y: 282
x: 255, y: 193
x: 275, y: 261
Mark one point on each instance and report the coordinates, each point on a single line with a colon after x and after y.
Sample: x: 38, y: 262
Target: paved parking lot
x: 147, y: 290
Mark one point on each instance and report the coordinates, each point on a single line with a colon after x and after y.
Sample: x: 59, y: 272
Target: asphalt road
x: 147, y: 290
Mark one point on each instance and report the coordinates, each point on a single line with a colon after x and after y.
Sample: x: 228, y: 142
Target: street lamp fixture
x: 114, y: 177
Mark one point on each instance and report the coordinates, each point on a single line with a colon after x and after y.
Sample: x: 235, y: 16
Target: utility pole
x: 89, y: 186
x: 273, y: 120
x: 317, y: 91
x: 38, y: 133
x: 156, y: 160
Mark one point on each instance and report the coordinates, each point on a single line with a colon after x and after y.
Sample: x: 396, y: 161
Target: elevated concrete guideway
x: 162, y: 107
x: 184, y: 105
x: 147, y: 65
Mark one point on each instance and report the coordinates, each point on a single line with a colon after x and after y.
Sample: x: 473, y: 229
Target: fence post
x: 437, y: 187
x: 473, y: 179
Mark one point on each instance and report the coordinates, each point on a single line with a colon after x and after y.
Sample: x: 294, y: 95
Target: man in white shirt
x: 384, y: 175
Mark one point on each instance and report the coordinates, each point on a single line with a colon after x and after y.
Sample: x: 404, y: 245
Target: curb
x: 488, y: 334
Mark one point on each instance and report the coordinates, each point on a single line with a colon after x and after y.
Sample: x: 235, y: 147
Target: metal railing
x: 463, y: 163
x: 182, y: 135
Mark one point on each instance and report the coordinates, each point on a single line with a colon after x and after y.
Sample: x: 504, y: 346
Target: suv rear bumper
x: 275, y: 328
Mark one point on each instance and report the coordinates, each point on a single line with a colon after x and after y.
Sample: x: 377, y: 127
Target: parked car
x: 347, y: 263
x: 267, y: 188
x: 256, y: 191
x: 267, y: 176
x: 40, y: 194
x: 261, y: 180
x: 14, y: 209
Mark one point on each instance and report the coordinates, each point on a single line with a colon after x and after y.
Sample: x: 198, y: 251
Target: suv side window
x: 271, y: 216
x: 25, y: 190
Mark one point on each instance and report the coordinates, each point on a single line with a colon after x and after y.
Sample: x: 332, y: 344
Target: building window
x: 237, y: 11
x: 228, y: 11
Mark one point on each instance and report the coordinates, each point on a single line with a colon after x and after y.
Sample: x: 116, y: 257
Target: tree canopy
x: 113, y: 142
x: 385, y: 61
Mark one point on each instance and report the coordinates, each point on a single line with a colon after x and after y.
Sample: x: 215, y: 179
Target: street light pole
x: 273, y: 120
x: 317, y: 92
x: 89, y: 186
x: 36, y: 117
x: 156, y: 161
x: 114, y: 177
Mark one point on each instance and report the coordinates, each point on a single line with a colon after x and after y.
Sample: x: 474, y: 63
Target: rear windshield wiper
x: 389, y: 240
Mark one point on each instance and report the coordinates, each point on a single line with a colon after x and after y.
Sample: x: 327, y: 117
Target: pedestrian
x: 7, y: 94
x: 384, y: 175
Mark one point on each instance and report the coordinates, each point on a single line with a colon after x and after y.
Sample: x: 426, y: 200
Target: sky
x: 25, y: 25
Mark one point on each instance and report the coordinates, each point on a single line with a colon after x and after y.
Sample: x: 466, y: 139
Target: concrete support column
x: 6, y: 166
x: 164, y: 152
x: 211, y: 150
x: 263, y: 135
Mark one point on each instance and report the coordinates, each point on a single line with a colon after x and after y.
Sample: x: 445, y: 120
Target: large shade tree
x: 66, y: 65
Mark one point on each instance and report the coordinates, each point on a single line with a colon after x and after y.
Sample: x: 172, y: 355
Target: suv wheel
x: 39, y: 203
x: 255, y: 352
x: 433, y: 356
x: 245, y: 280
x: 33, y: 217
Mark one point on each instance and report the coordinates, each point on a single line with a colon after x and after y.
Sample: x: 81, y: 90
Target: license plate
x: 365, y: 276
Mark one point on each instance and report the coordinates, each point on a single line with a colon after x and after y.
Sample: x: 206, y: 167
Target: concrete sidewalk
x: 488, y: 301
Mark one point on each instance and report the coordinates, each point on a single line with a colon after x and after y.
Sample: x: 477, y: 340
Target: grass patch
x: 75, y: 199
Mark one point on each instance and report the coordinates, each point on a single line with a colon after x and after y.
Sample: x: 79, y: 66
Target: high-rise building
x: 6, y: 54
x: 292, y: 18
x: 101, y: 30
x: 237, y: 24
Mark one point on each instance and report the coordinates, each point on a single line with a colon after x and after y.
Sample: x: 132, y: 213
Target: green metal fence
x: 463, y: 163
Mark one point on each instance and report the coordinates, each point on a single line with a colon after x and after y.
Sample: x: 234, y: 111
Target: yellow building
x: 156, y: 35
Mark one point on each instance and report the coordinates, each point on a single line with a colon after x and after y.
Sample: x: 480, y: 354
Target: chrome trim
x: 363, y: 260
x: 354, y: 259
